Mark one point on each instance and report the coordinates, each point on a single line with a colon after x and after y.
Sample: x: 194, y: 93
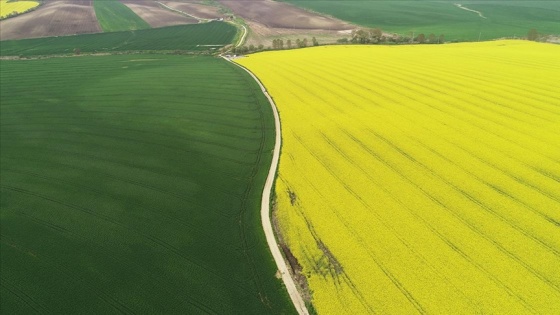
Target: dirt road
x: 265, y: 209
x: 242, y: 39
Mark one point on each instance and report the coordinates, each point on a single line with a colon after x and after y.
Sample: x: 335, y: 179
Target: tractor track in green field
x: 101, y: 294
x: 126, y: 178
x: 125, y: 139
x: 226, y: 247
x: 106, y: 218
x: 28, y: 300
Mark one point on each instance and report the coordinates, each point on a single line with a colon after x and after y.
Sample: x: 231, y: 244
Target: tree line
x: 277, y: 44
x: 376, y: 36
x: 533, y: 35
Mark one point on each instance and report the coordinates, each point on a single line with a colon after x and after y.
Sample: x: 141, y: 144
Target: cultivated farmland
x: 15, y: 7
x: 156, y: 15
x: 113, y: 16
x: 53, y: 18
x: 132, y: 184
x: 198, y: 10
x: 270, y: 20
x: 186, y: 38
x: 421, y: 179
x: 464, y: 20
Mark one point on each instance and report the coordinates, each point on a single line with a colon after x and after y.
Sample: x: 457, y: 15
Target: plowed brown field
x: 269, y: 20
x: 283, y: 15
x: 54, y: 18
x: 156, y: 15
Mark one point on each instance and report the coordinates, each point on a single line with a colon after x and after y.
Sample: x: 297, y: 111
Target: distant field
x: 157, y: 15
x: 421, y: 179
x: 132, y: 184
x: 198, y: 37
x: 52, y: 18
x: 8, y: 7
x: 500, y: 18
x: 114, y: 16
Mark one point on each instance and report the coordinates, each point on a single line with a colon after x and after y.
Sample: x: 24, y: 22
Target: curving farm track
x: 295, y: 296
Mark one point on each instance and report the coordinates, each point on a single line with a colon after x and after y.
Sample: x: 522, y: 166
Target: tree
x: 289, y: 44
x: 261, y: 47
x: 277, y: 44
x: 77, y: 51
x: 441, y: 39
x: 533, y: 35
x: 315, y: 42
x: 421, y: 38
x: 301, y: 43
x: 360, y: 36
x: 376, y: 33
x: 432, y: 38
x: 251, y: 47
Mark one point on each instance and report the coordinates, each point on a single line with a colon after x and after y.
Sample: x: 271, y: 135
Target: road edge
x: 295, y: 296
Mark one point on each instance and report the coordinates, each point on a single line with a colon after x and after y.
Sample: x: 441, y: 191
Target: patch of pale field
x: 260, y: 34
x: 156, y: 15
x: 276, y: 14
x: 423, y: 178
x: 269, y: 20
x: 200, y: 10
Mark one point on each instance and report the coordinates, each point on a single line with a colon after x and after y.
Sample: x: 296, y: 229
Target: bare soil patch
x: 196, y: 9
x: 283, y: 15
x: 156, y: 15
x: 270, y: 20
x: 54, y: 18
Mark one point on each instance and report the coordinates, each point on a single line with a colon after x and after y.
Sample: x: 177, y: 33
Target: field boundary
x: 295, y: 295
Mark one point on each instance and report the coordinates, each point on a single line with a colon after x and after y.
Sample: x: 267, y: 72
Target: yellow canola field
x: 421, y: 179
x: 15, y: 6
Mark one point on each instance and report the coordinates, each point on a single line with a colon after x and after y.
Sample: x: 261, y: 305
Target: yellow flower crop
x: 421, y: 179
x: 17, y: 7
